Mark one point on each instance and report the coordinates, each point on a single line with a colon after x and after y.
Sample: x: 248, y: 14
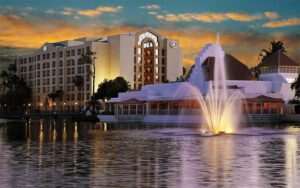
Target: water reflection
x: 64, y: 153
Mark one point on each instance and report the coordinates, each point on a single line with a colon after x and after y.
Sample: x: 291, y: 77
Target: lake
x: 61, y: 153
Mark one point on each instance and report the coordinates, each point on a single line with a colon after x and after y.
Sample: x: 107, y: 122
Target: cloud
x: 67, y: 11
x: 151, y: 7
x: 98, y: 11
x: 209, y: 17
x: 283, y: 23
x: 244, y: 45
x: 152, y: 13
x: 50, y: 11
x: 271, y: 15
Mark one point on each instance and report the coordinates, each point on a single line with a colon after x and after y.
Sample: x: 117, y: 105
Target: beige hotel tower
x: 142, y: 57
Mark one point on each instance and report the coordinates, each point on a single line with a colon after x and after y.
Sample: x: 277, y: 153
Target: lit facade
x: 262, y: 100
x: 142, y: 57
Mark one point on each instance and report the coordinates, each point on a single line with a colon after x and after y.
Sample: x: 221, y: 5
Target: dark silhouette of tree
x: 296, y: 86
x: 89, y: 59
x: 275, y: 45
x: 58, y: 94
x: 110, y: 88
x: 78, y: 81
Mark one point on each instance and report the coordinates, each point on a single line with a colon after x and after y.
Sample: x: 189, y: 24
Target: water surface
x: 66, y: 154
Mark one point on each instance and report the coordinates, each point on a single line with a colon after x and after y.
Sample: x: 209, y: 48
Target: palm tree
x: 275, y: 45
x: 89, y: 59
x: 4, y: 77
x: 78, y: 81
x: 296, y: 85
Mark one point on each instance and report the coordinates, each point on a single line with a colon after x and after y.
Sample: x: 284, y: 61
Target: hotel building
x: 143, y: 57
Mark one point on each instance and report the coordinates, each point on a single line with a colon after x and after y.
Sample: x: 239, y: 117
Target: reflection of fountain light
x: 105, y: 126
x: 291, y: 160
x: 75, y: 132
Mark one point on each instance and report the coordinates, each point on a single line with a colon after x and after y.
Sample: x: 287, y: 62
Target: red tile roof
x: 235, y: 69
x: 277, y: 59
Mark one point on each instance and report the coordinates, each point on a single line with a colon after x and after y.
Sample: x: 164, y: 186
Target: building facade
x: 263, y: 100
x: 142, y: 57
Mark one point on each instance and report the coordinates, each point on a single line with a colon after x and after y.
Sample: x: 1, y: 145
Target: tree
x: 110, y: 88
x: 58, y: 94
x: 78, y: 81
x: 89, y: 59
x: 275, y: 45
x: 296, y: 86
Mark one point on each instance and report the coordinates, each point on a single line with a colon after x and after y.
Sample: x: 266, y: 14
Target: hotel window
x: 79, y: 61
x: 61, y: 54
x: 38, y: 90
x: 79, y: 52
x: 38, y: 57
x: 68, y: 71
x: 73, y: 70
x: 48, y: 56
x: 72, y: 52
x: 163, y: 70
x: 87, y: 86
x: 53, y: 72
x: 38, y: 98
x: 53, y: 64
x: 44, y: 65
x: 48, y: 81
x: 53, y: 54
x: 53, y: 80
x: 38, y: 82
x: 68, y: 53
x: 25, y: 60
x: 156, y: 70
x: 48, y: 65
x: 88, y: 96
x: 29, y: 60
x: 48, y: 72
x: 68, y: 80
x: 87, y: 77
x: 38, y: 67
x: 163, y: 52
x: 44, y: 73
x: 53, y: 88
x: 60, y: 80
x: 44, y: 89
x: 38, y: 74
x: 60, y: 72
x: 44, y: 56
x: 163, y: 61
x: 60, y: 63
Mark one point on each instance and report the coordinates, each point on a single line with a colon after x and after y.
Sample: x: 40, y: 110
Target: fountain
x: 221, y: 107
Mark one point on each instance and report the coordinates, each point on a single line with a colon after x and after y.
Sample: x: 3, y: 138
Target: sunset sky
x: 245, y: 26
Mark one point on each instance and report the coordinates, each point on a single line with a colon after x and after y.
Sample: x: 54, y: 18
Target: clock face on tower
x: 173, y: 44
x: 45, y: 48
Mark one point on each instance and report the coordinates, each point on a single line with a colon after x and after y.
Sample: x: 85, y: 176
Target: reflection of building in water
x: 271, y: 155
x: 144, y: 164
